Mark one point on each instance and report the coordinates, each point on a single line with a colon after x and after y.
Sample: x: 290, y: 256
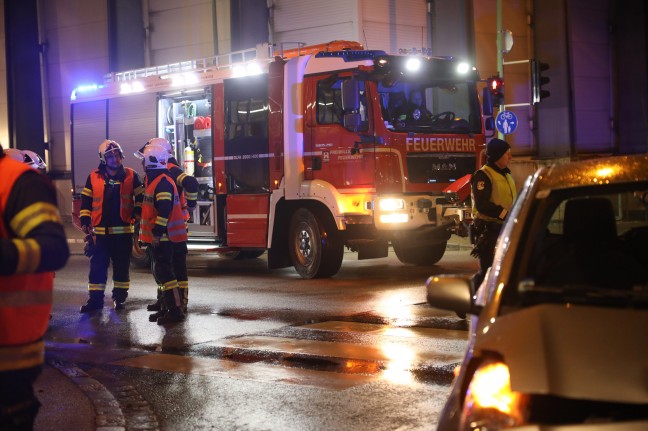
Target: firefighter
x: 34, y: 161
x: 108, y: 210
x: 163, y: 227
x: 27, y: 157
x: 416, y: 110
x: 32, y: 246
x: 493, y: 194
x: 187, y: 187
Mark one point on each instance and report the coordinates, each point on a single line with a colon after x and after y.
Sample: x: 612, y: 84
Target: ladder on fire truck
x: 263, y: 53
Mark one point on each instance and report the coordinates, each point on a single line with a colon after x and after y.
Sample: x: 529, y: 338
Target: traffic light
x: 496, y: 87
x: 538, y: 79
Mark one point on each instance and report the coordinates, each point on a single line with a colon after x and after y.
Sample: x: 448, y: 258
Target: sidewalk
x: 64, y: 405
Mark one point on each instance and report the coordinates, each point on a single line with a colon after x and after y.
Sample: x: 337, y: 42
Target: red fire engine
x: 303, y: 153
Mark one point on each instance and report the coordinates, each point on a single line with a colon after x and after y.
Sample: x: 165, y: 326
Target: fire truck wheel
x: 419, y: 256
x: 315, y: 246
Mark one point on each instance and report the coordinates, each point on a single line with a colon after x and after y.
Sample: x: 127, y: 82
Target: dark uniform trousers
x: 168, y: 263
x: 115, y: 247
x: 486, y: 234
x: 18, y: 404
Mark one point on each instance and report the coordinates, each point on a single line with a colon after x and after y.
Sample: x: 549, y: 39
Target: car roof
x: 591, y: 172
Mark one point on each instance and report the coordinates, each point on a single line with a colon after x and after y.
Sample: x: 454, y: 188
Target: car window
x: 588, y: 246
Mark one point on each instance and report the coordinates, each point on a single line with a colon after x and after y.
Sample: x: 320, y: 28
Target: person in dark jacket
x: 32, y: 246
x: 108, y: 212
x: 493, y: 194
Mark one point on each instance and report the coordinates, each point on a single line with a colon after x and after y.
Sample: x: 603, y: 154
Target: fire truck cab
x: 304, y: 153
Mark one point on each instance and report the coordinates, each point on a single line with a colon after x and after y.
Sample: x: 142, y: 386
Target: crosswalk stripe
x: 257, y: 372
x: 384, y: 352
x: 378, y: 329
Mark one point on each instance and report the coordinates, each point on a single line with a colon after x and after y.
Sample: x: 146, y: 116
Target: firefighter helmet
x: 154, y: 141
x: 155, y: 157
x: 108, y: 146
x: 15, y: 154
x: 34, y: 160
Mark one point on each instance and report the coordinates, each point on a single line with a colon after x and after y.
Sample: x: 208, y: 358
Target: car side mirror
x: 452, y: 293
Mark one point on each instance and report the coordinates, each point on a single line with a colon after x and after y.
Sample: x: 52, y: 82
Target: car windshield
x: 435, y: 107
x: 588, y: 246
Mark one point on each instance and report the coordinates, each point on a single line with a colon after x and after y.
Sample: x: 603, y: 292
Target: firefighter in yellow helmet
x: 108, y: 211
x: 32, y: 246
x: 163, y: 227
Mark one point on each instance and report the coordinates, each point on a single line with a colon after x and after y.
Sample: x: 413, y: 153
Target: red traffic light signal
x: 496, y: 87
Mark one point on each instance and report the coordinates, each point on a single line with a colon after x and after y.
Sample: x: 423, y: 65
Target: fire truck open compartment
x: 183, y: 119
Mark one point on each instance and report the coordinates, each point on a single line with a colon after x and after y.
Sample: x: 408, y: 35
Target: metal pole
x: 500, y: 57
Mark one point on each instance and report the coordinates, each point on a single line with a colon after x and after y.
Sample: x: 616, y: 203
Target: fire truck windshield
x: 431, y: 107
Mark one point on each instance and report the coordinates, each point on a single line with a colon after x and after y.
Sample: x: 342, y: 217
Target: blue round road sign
x: 506, y: 122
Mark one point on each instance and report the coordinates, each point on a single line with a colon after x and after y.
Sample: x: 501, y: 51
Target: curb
x: 108, y: 414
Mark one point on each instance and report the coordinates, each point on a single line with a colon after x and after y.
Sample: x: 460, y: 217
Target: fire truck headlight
x: 393, y: 218
x: 413, y: 64
x: 391, y: 204
x: 463, y: 68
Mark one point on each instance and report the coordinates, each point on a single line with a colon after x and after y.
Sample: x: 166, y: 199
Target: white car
x: 559, y: 327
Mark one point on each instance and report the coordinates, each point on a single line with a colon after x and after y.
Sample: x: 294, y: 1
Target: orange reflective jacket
x: 25, y: 299
x: 176, y: 228
x: 126, y: 201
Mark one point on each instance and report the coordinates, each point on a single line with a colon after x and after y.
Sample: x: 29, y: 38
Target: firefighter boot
x: 161, y: 309
x: 172, y: 315
x: 157, y: 305
x: 95, y: 302
x: 119, y: 297
x: 173, y: 308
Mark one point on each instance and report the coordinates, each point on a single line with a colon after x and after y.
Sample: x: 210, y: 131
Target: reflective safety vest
x: 176, y: 228
x: 503, y: 192
x: 183, y: 198
x: 126, y: 198
x: 25, y: 299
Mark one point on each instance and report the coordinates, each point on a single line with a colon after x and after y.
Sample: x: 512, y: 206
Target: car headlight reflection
x: 490, y: 403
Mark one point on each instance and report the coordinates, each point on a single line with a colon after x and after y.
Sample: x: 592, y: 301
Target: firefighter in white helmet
x: 34, y: 161
x: 108, y: 211
x: 163, y: 227
x: 28, y: 157
x: 187, y: 187
x: 32, y: 247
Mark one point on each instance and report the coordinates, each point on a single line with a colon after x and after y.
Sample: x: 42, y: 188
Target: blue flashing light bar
x: 351, y: 55
x: 85, y: 89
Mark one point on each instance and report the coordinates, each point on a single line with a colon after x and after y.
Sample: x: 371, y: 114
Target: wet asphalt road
x: 263, y: 350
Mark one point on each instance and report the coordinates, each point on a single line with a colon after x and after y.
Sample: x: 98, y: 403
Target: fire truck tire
x: 315, y: 245
x: 419, y: 256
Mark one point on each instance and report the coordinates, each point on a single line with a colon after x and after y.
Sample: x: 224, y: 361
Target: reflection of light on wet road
x: 397, y: 308
x: 401, y: 361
